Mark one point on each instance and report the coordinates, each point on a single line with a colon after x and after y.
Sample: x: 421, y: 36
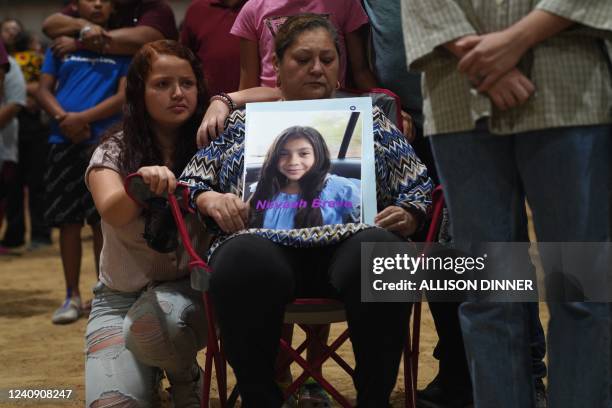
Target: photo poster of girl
x: 309, y: 163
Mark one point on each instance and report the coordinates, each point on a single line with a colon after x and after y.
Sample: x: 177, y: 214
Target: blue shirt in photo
x: 84, y: 79
x: 340, y: 202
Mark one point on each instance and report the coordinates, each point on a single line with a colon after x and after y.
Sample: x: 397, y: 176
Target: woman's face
x: 296, y: 158
x: 309, y: 68
x: 9, y: 31
x: 171, y: 92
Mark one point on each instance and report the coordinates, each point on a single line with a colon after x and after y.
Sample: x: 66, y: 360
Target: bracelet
x: 84, y: 31
x: 226, y: 99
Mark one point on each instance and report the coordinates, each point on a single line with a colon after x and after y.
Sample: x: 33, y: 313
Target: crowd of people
x: 502, y: 103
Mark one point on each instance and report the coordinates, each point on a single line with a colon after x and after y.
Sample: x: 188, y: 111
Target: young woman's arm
x: 213, y: 123
x: 113, y: 203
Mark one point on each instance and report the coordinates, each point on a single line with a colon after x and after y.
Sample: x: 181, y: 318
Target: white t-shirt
x: 14, y: 92
x: 127, y: 264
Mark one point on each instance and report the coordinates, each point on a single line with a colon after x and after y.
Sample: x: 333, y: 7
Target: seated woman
x: 258, y: 271
x: 294, y: 174
x: 145, y: 318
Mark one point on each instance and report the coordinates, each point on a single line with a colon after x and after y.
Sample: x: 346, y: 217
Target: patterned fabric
x: 401, y: 180
x: 569, y: 70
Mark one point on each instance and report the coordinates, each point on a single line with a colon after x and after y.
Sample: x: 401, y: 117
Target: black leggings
x: 254, y: 279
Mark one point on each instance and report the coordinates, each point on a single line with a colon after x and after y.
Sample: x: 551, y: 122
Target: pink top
x: 259, y: 20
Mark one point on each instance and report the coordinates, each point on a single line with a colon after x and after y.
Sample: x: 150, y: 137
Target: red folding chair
x: 302, y: 312
x: 140, y: 193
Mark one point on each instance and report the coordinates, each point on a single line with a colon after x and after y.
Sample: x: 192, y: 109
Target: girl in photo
x: 296, y: 190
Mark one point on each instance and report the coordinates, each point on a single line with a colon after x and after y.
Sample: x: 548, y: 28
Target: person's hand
x: 228, y: 210
x: 490, y: 56
x: 63, y: 45
x: 81, y: 136
x: 74, y: 126
x: 160, y: 179
x: 396, y: 219
x: 407, y: 124
x: 511, y: 90
x: 95, y: 38
x: 213, y: 123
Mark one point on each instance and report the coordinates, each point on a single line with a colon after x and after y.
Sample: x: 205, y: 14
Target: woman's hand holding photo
x: 160, y: 179
x: 396, y: 219
x: 228, y: 210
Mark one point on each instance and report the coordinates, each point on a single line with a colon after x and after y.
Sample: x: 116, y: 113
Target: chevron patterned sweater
x: 401, y: 181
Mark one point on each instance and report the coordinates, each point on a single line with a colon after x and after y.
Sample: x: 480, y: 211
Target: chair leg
x: 207, y: 378
x: 411, y: 358
x: 221, y: 379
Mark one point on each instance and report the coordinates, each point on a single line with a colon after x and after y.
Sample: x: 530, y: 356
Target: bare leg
x: 70, y: 249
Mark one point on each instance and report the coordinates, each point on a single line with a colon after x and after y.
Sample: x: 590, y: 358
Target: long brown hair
x: 137, y: 141
x: 272, y: 181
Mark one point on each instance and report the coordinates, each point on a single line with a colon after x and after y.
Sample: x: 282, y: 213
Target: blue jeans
x: 565, y: 175
x: 133, y: 336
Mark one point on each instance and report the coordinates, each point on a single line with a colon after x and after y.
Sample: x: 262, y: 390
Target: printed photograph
x: 303, y: 168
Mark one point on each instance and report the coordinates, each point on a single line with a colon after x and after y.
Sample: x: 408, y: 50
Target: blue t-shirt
x: 84, y: 79
x: 340, y: 202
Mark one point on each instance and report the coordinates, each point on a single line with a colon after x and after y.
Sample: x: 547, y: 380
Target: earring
x: 338, y: 85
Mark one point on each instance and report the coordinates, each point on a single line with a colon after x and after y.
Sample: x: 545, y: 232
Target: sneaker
x: 188, y: 394
x: 312, y: 395
x: 435, y: 395
x: 68, y: 312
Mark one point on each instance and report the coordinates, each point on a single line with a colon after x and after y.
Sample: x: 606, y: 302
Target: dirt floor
x: 36, y: 354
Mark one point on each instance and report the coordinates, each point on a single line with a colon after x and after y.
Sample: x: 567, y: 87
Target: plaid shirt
x: 570, y: 70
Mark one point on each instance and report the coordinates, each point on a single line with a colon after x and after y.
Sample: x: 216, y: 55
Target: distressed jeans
x: 133, y: 337
x: 565, y: 175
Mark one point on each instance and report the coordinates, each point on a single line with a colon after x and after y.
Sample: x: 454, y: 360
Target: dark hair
x: 298, y: 24
x: 137, y: 143
x: 23, y: 41
x: 271, y: 181
x: 6, y: 20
